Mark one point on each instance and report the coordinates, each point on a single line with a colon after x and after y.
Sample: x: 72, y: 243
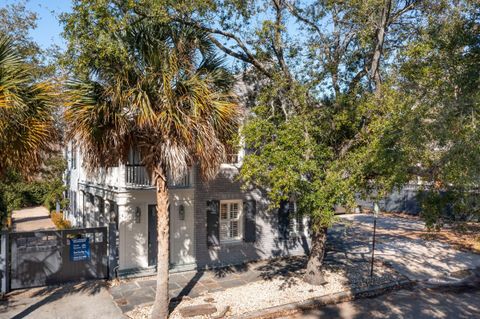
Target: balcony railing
x: 184, y: 182
x: 136, y: 176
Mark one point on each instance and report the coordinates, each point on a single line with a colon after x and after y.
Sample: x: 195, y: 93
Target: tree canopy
x: 27, y: 128
x: 164, y: 93
x: 344, y: 98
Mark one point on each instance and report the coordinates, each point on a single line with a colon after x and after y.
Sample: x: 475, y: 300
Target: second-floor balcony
x: 136, y: 176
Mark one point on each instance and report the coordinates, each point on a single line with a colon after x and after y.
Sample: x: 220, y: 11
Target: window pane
x: 224, y: 233
x: 299, y: 223
x: 234, y: 229
x: 234, y: 211
x: 223, y: 211
x: 291, y: 225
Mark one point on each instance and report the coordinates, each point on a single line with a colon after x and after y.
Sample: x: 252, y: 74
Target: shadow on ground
x: 31, y: 302
x: 417, y: 303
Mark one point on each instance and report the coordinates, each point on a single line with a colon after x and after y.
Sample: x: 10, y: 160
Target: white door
x: 182, y: 249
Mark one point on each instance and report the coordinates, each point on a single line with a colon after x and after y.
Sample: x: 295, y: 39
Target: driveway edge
x: 294, y: 307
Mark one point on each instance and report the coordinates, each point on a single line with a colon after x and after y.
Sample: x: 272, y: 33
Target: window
x: 74, y: 203
x: 296, y: 223
x: 231, y: 221
x: 134, y: 157
x: 234, y: 154
x: 74, y: 157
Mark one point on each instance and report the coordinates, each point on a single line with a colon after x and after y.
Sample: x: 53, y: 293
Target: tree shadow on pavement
x: 49, y: 295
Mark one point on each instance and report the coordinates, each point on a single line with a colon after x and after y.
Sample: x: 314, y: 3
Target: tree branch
x: 246, y: 56
x: 409, y: 6
x: 294, y: 11
x: 277, y: 42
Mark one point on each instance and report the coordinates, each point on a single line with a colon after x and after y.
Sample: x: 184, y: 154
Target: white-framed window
x: 231, y: 220
x: 296, y: 222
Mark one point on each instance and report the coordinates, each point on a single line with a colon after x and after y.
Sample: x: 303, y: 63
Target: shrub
x: 59, y: 221
x: 432, y: 209
x: 451, y: 205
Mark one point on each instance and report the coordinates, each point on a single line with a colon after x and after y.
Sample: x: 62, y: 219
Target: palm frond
x: 172, y: 101
x: 27, y: 130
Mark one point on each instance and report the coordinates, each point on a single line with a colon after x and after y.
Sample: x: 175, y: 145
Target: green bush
x: 452, y: 205
x: 53, y: 195
x: 432, y: 209
x: 16, y: 192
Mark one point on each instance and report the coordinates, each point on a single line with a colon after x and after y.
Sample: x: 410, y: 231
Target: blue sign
x: 79, y: 249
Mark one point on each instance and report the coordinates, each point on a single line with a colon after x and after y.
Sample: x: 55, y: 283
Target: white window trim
x: 294, y: 223
x: 240, y: 221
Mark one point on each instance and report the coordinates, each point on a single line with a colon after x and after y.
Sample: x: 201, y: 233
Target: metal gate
x: 43, y: 258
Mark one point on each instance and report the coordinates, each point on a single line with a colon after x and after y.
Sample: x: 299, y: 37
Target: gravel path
x: 283, y: 289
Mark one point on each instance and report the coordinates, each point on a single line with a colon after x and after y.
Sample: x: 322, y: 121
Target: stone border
x: 295, y: 307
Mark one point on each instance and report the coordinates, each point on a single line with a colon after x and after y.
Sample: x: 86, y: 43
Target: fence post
x: 4, y: 262
x: 112, y: 250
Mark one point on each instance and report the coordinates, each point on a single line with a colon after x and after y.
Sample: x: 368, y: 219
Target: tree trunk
x: 160, y: 306
x: 313, y: 274
x: 380, y: 39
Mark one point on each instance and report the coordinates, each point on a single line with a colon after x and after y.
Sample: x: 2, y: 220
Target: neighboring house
x: 211, y: 223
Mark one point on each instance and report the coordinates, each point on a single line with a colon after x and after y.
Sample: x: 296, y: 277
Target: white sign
x: 376, y: 209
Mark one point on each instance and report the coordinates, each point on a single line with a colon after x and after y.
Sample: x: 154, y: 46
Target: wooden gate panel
x: 43, y: 258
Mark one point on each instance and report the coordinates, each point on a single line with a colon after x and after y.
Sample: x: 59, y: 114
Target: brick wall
x: 226, y: 186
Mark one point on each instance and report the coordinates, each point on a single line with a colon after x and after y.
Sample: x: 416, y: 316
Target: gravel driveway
x: 416, y: 259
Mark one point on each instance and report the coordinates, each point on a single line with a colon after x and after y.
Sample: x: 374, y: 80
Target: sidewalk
x: 137, y: 292
x: 32, y: 219
x: 255, y: 284
x: 87, y: 300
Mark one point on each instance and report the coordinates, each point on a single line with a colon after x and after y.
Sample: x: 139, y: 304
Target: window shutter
x: 283, y: 220
x: 250, y: 228
x: 213, y: 229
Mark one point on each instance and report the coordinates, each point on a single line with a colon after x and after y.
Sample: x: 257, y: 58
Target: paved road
x: 32, y: 219
x: 417, y: 259
x: 405, y: 304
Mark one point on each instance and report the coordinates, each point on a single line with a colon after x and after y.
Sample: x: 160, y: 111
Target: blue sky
x: 48, y: 29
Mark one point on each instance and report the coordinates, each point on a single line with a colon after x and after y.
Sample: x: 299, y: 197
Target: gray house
x: 211, y: 223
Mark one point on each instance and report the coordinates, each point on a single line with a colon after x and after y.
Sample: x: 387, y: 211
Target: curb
x: 294, y: 307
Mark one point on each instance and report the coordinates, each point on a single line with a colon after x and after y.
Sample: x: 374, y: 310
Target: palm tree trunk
x: 160, y: 307
x: 314, y: 275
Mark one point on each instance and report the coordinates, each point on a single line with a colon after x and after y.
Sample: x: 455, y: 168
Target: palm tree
x: 27, y: 130
x: 170, y: 98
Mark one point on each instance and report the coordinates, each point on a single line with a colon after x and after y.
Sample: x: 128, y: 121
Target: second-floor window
x: 233, y: 154
x: 134, y: 157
